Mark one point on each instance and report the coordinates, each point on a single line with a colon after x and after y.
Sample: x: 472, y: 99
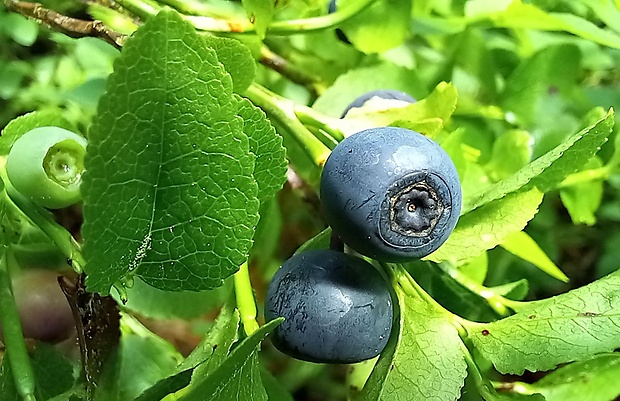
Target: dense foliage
x: 207, y: 124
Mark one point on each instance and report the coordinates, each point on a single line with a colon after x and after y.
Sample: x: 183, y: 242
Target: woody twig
x: 73, y: 27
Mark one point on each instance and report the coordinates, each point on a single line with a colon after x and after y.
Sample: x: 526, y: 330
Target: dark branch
x: 279, y: 64
x: 73, y: 27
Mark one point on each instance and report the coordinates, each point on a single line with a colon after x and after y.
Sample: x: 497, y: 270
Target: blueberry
x: 388, y: 94
x: 391, y: 194
x: 337, y: 308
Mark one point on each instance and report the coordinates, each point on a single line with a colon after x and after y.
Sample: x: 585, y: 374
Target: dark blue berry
x: 388, y: 94
x: 391, y: 194
x: 337, y: 308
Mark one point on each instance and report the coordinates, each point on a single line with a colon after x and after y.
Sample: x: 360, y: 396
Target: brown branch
x: 279, y: 64
x: 76, y: 28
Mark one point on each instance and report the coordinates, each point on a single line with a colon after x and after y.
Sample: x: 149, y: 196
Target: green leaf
x: 238, y: 377
x: 470, y: 50
x: 20, y: 125
x: 522, y: 245
x: 502, y: 396
x: 582, y: 201
x: 553, y: 69
x: 268, y: 232
x: 319, y: 241
x: 488, y: 226
x: 266, y: 144
x: 359, y: 81
x: 476, y: 269
x: 159, y: 304
x: 569, y: 327
x: 527, y: 16
x: 169, y: 385
x: 546, y: 172
x: 427, y: 116
x: 475, y: 8
x: 214, y: 347
x: 237, y: 60
x: 516, y: 290
x: 275, y: 390
x: 76, y: 393
x: 8, y: 391
x: 511, y: 151
x: 374, y: 386
x: 53, y: 371
x: 583, y: 198
x: 53, y: 374
x: 427, y: 363
x: 21, y: 29
x: 380, y: 27
x: 207, y: 356
x: 260, y: 13
x: 606, y: 11
x: 451, y: 294
x: 141, y: 362
x: 169, y: 193
x: 592, y: 379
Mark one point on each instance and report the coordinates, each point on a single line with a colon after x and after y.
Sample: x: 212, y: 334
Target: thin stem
x: 194, y: 7
x: 323, y: 137
x: 245, y: 299
x: 16, y: 351
x: 145, y: 8
x: 309, y: 116
x: 290, y: 27
x: 404, y: 276
x: 142, y: 8
x: 502, y: 306
x: 290, y: 71
x: 283, y: 111
x: 412, y: 288
x: 514, y: 387
x: 45, y: 221
x: 113, y: 19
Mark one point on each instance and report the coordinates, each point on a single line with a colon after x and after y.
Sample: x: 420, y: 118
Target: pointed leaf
x: 527, y: 16
x: 141, y: 362
x: 569, y: 327
x: 546, y: 172
x: 427, y: 364
x: 169, y: 385
x: 522, y: 245
x: 359, y: 81
x: 260, y: 13
x: 427, y: 116
x: 593, y: 379
x: 20, y: 125
x: 168, y: 193
x: 238, y: 377
x: 488, y: 226
x: 383, y: 25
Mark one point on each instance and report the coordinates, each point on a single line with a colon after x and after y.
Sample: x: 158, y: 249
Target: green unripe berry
x: 46, y: 165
